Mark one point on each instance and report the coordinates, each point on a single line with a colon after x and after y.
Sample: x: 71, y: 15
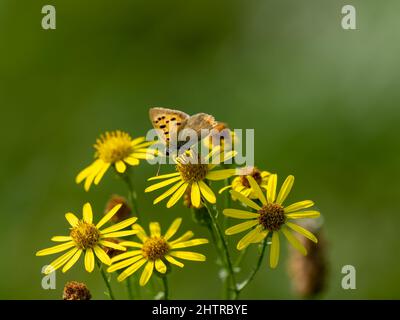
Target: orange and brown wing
x: 168, y: 121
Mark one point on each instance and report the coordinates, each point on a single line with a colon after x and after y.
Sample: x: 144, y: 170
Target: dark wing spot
x: 163, y: 117
x: 159, y: 118
x: 178, y: 123
x: 162, y: 126
x: 156, y: 121
x: 167, y: 121
x: 173, y: 119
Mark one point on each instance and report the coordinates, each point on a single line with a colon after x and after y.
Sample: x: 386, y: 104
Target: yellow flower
x: 271, y: 217
x: 86, y: 237
x: 194, y: 176
x: 114, y: 148
x: 156, y: 251
x: 242, y: 185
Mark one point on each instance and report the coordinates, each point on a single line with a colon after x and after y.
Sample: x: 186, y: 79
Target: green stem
x: 129, y: 288
x: 227, y: 258
x: 106, y: 281
x: 166, y: 291
x: 132, y: 198
x: 132, y: 195
x: 245, y: 283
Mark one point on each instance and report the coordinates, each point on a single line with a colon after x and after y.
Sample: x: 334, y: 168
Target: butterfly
x: 170, y: 123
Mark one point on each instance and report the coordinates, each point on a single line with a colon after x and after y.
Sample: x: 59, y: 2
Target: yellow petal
x: 108, y: 216
x: 56, y: 249
x: 132, y: 161
x: 193, y: 256
x: 294, y: 241
x: 177, y: 195
x: 164, y: 176
x: 103, y: 257
x: 186, y: 236
x: 173, y: 228
x: 160, y: 266
x: 303, y: 214
x: 120, y: 225
x: 89, y: 260
x: 248, y: 238
x: 174, y: 261
x: 260, y: 237
x: 155, y: 229
x: 302, y: 231
x: 133, y: 268
x: 112, y: 245
x: 146, y: 273
x: 274, y: 251
x: 256, y: 189
x: 101, y: 173
x: 87, y: 213
x: 125, y: 263
x: 118, y: 234
x: 195, y: 195
x: 136, y: 141
x: 60, y: 261
x: 82, y: 175
x: 120, y: 166
x: 216, y: 175
x: 241, y: 227
x: 61, y: 238
x: 126, y: 255
x: 190, y: 243
x: 299, y: 206
x: 72, y: 261
x: 240, y: 214
x: 141, y: 234
x: 285, y: 189
x: 72, y: 219
x: 132, y: 244
x: 271, y: 188
x: 224, y: 188
x: 244, y: 200
x: 206, y: 191
x: 162, y: 184
x: 168, y: 192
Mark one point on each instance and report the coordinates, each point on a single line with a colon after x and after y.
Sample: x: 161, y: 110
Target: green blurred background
x: 324, y: 103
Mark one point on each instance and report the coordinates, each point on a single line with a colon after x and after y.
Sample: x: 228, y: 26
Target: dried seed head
x: 255, y: 173
x: 111, y: 252
x: 76, y: 291
x: 308, y: 273
x: 123, y: 213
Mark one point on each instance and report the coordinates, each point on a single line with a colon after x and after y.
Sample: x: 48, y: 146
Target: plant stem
x: 245, y: 283
x: 129, y: 288
x: 226, y: 258
x: 106, y: 280
x: 132, y: 196
x: 166, y: 291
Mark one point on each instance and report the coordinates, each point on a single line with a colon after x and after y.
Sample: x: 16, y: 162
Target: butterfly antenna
x: 158, y: 170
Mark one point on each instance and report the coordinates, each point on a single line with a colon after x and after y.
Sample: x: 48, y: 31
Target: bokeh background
x: 324, y: 103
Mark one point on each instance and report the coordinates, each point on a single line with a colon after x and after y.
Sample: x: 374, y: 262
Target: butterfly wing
x: 200, y: 121
x: 167, y: 121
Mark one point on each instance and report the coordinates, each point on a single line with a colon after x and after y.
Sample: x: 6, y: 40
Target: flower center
x: 271, y: 217
x: 113, y: 146
x: 85, y: 235
x: 256, y: 174
x: 192, y: 171
x: 155, y: 248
